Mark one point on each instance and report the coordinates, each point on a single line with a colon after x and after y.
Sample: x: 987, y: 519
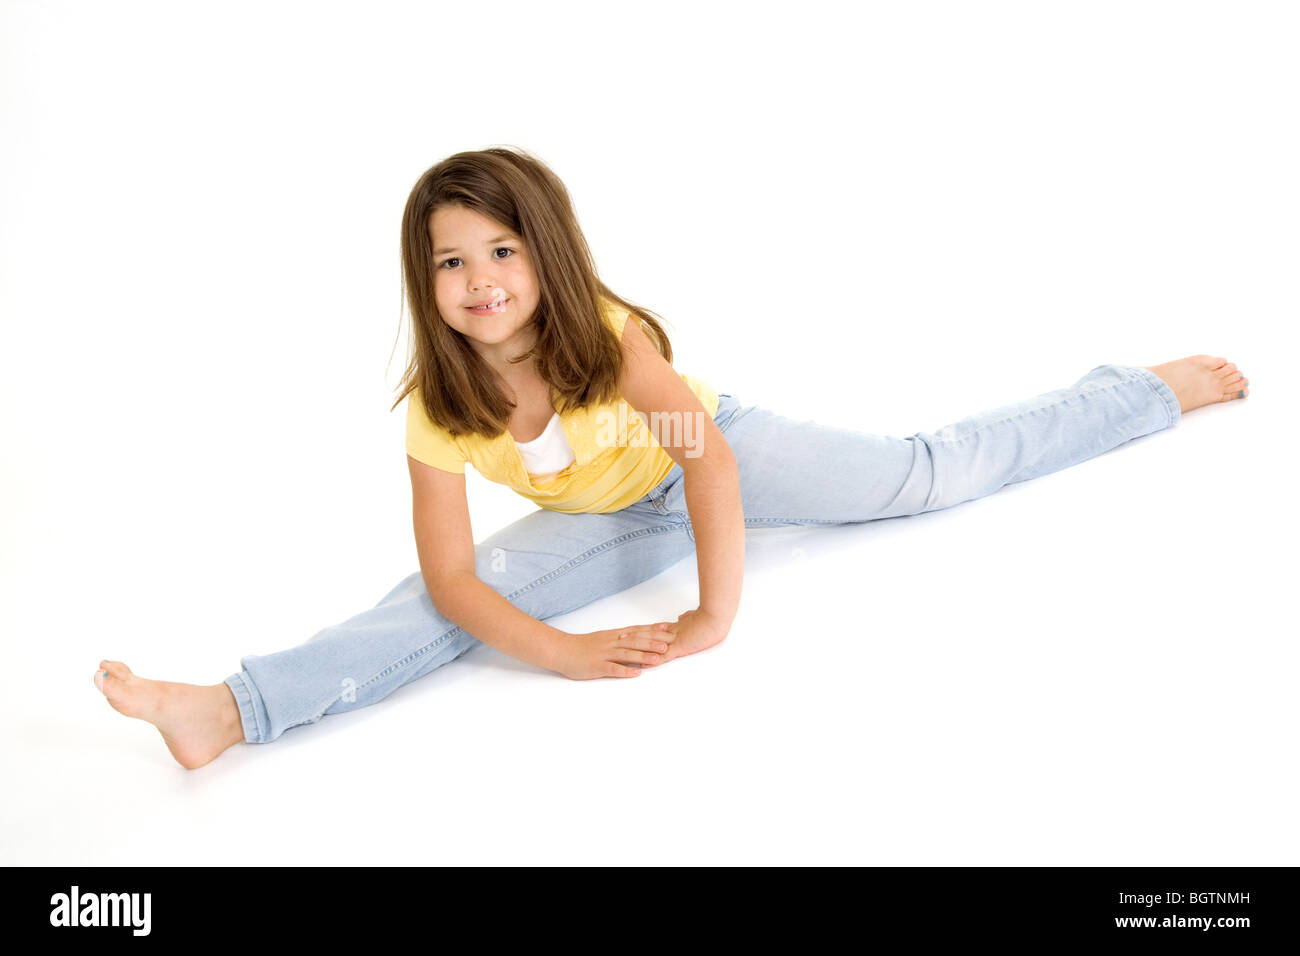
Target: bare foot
x: 197, y: 723
x: 1202, y: 380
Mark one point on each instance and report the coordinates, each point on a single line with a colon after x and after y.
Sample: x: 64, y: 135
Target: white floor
x: 889, y: 225
x: 1095, y: 667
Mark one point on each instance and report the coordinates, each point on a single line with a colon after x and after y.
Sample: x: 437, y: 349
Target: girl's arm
x: 718, y: 520
x: 444, y: 540
x: 687, y: 432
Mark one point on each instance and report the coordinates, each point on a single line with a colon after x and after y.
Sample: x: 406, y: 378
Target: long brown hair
x: 575, y: 351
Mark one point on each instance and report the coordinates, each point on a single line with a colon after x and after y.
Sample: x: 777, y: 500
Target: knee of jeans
x: 935, y: 481
x: 915, y: 493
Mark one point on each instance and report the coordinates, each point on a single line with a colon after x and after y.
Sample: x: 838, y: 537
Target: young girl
x: 529, y: 368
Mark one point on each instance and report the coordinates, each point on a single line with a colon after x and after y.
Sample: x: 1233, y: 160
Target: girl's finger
x: 656, y: 642
x: 630, y: 656
x: 639, y: 631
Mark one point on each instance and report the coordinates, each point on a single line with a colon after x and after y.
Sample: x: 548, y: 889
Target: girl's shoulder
x: 616, y: 316
x: 429, y: 442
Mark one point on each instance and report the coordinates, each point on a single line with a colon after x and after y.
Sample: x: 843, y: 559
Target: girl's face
x: 479, y: 262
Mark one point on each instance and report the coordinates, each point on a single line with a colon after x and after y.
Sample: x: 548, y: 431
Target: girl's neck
x: 498, y: 357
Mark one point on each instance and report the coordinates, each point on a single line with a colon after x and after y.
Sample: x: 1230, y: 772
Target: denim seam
x: 446, y: 635
x: 587, y: 555
x: 1032, y: 411
x: 396, y: 665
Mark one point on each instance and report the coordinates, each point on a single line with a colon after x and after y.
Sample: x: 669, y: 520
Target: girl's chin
x: 489, y: 336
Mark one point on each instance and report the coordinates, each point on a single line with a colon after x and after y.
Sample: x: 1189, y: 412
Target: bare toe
x: 114, y: 680
x: 1234, y: 388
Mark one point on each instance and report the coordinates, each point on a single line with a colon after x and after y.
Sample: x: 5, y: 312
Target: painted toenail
x: 1241, y: 394
x: 105, y: 673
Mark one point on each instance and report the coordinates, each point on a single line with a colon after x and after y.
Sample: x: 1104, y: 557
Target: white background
x: 884, y: 216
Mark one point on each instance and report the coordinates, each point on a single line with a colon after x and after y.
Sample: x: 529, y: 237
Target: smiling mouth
x: 490, y: 308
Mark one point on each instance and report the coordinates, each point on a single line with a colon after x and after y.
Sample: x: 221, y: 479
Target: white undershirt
x: 549, y: 452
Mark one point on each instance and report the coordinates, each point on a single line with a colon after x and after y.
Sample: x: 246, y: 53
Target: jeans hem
x: 247, y: 709
x: 1161, y: 388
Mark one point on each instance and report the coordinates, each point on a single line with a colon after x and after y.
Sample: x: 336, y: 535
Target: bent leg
x: 798, y: 472
x: 545, y: 564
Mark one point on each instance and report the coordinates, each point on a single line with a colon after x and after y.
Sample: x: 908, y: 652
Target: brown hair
x: 576, y: 352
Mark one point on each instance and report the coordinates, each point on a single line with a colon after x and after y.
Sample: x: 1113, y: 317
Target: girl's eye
x: 445, y: 262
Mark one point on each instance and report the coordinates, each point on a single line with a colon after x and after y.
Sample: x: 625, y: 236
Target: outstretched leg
x: 546, y: 564
x: 797, y: 472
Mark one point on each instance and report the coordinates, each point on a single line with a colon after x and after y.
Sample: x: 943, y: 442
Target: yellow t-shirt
x: 617, y: 459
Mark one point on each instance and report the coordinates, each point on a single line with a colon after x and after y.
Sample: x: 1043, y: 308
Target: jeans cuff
x: 1161, y: 388
x: 247, y: 707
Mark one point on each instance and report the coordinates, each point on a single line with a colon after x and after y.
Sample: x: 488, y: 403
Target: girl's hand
x: 613, y: 653
x: 694, y: 631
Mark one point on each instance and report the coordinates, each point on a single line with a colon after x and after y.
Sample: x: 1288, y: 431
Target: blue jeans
x: 791, y: 473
